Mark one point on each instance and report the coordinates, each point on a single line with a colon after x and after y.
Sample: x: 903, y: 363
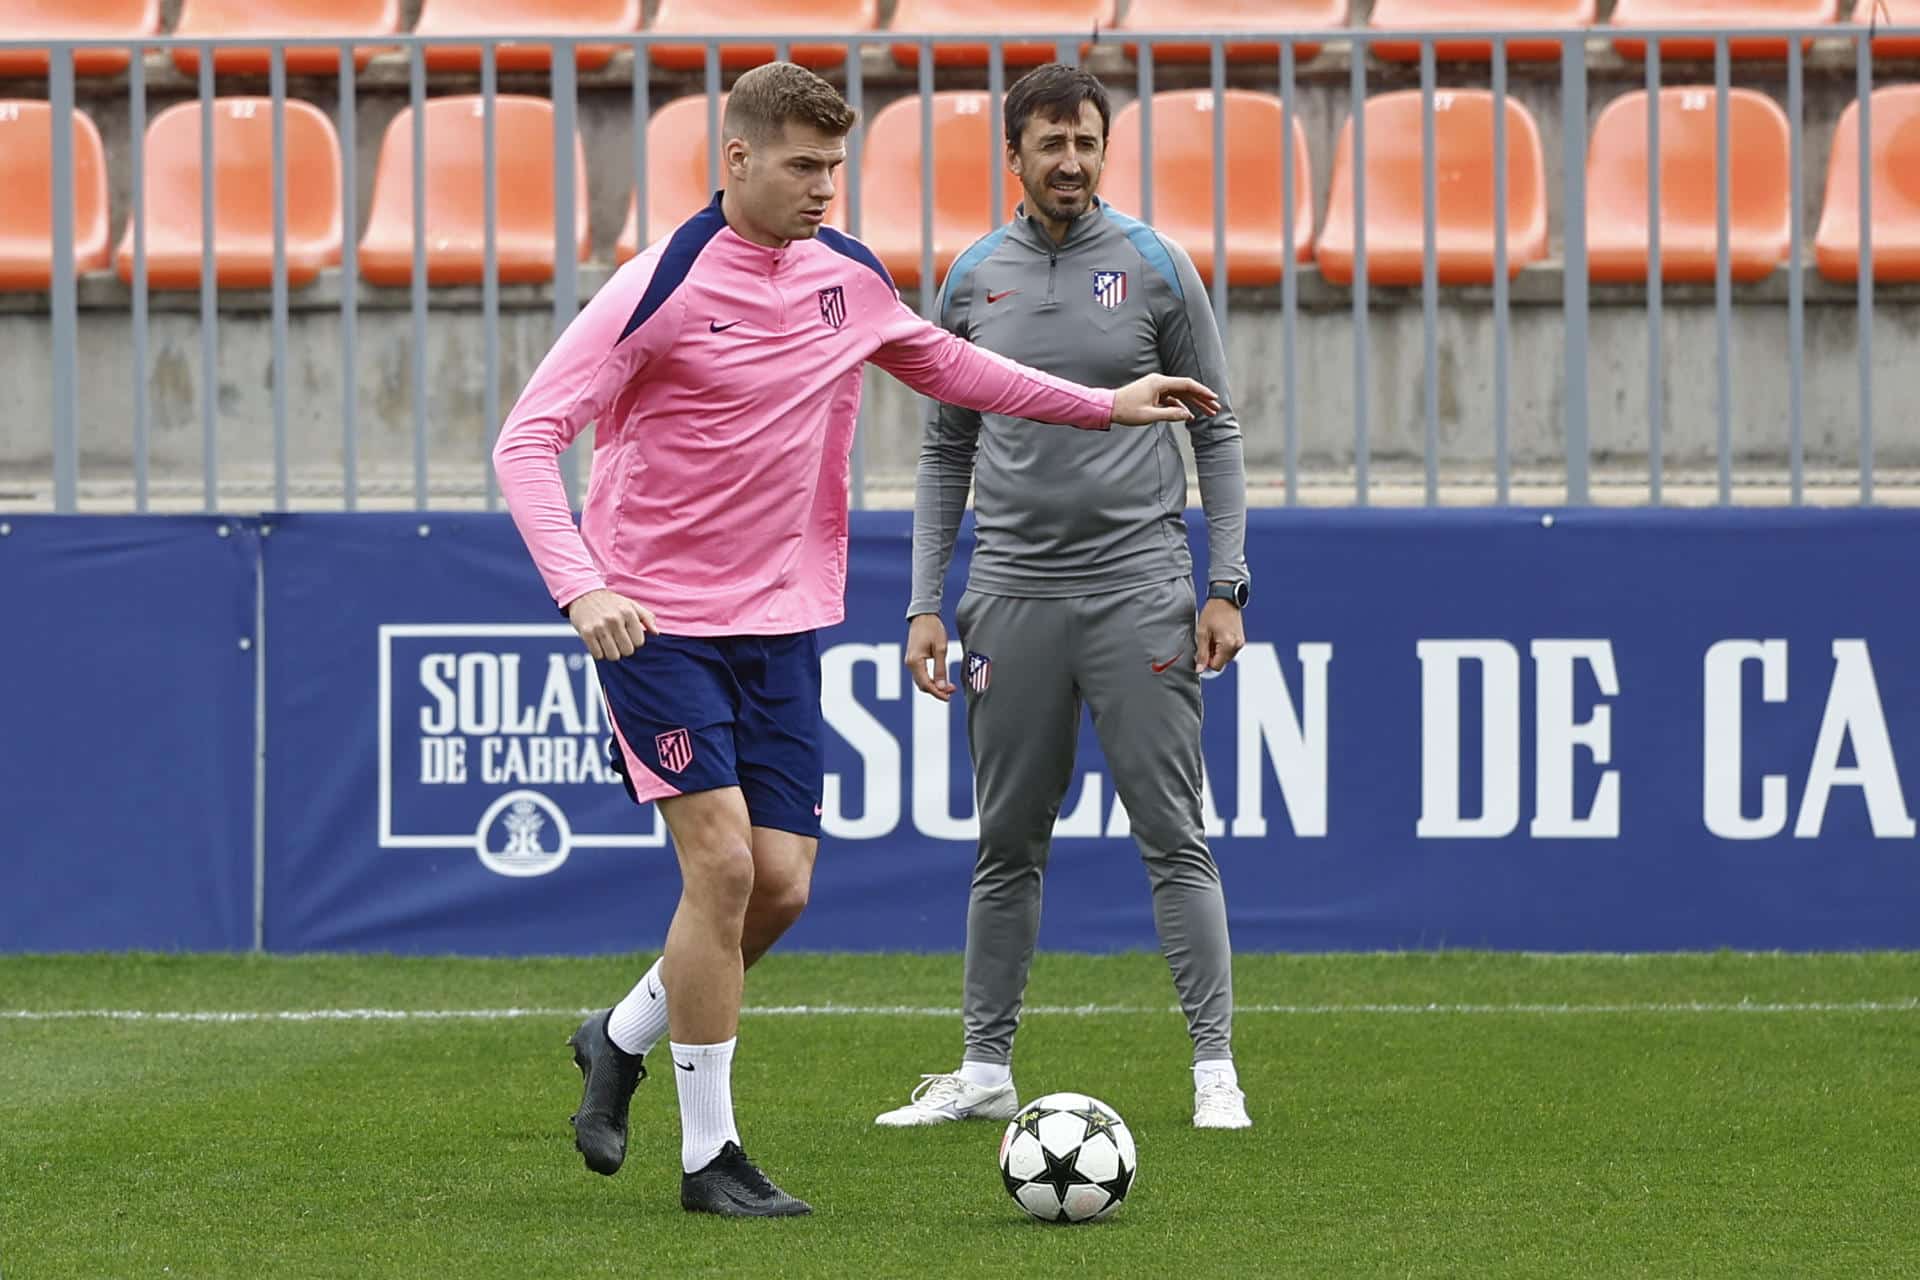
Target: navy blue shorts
x: 698, y: 713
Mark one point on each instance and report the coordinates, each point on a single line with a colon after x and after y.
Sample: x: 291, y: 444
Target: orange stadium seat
x: 1463, y: 186
x: 1724, y: 14
x: 1890, y: 13
x: 74, y: 20
x: 26, y: 195
x: 275, y: 18
x: 1759, y: 187
x: 966, y: 144
x: 242, y: 193
x: 1894, y: 171
x: 748, y: 17
x: 1476, y: 15
x: 1143, y: 17
x: 677, y: 174
x: 992, y: 17
x: 456, y: 196
x: 1183, y: 192
x: 523, y: 17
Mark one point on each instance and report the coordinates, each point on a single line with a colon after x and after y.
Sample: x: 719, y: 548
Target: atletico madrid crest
x: 676, y: 750
x: 1110, y: 289
x: 833, y: 306
x: 979, y: 672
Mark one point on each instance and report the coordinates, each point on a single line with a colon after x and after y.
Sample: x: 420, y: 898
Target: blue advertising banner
x: 1588, y: 731
x: 126, y: 733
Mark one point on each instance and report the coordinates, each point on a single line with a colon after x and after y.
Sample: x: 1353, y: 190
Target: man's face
x: 1059, y: 163
x: 784, y: 185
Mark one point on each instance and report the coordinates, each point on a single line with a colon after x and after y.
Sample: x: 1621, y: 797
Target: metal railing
x: 565, y: 287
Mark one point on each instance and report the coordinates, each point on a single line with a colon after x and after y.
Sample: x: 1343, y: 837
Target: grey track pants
x: 1129, y: 656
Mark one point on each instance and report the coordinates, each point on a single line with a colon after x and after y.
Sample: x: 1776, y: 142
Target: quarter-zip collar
x: 748, y: 253
x: 1028, y: 231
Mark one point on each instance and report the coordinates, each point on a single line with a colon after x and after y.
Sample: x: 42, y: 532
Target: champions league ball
x: 1067, y: 1158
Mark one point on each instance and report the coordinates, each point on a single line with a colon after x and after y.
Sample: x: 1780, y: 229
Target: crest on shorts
x: 1110, y: 289
x: 833, y: 306
x: 979, y: 672
x: 676, y: 750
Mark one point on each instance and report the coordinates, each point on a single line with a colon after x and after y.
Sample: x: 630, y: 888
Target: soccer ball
x: 1067, y: 1158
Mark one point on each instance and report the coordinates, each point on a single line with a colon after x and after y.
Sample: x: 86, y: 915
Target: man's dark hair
x: 1055, y: 92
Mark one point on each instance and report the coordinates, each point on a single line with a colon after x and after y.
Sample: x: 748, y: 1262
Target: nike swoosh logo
x: 683, y: 1066
x: 1004, y: 293
x: 818, y: 811
x: 716, y: 327
x: 1158, y: 667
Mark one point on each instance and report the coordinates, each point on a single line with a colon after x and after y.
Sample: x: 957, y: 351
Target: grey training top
x: 1060, y: 512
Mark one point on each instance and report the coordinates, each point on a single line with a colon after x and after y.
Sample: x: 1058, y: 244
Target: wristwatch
x: 1236, y: 592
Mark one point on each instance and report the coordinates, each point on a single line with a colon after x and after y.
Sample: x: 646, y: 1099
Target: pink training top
x: 724, y: 377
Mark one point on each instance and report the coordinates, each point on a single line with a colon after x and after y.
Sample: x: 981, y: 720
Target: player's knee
x: 781, y: 898
x: 723, y: 876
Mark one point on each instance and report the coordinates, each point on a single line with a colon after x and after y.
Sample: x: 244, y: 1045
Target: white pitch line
x: 1687, y: 1007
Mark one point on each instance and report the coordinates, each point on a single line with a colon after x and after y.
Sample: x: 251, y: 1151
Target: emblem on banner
x: 1110, y: 289
x: 979, y: 672
x: 676, y: 750
x: 833, y: 306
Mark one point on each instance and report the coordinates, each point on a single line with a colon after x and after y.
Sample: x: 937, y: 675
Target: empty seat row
x: 373, y: 19
x: 965, y: 149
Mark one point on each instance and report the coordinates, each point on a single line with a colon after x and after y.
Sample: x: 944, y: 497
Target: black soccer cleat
x: 733, y: 1186
x: 609, y: 1075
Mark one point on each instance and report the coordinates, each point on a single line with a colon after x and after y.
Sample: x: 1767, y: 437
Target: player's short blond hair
x: 766, y: 99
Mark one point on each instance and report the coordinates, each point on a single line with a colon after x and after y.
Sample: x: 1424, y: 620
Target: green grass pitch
x: 1457, y: 1114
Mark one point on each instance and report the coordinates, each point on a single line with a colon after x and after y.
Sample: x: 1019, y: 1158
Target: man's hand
x: 612, y: 625
x: 927, y: 655
x: 1219, y: 636
x: 1159, y: 398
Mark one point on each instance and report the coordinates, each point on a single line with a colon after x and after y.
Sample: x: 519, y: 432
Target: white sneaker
x: 940, y: 1098
x: 1220, y: 1106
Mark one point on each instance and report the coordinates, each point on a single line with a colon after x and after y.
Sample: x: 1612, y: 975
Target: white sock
x: 704, y: 1073
x: 640, y: 1020
x: 988, y: 1075
x: 1215, y: 1071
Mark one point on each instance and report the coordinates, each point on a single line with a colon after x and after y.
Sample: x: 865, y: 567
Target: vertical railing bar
x: 1796, y: 280
x: 1143, y: 95
x: 64, y: 292
x: 1067, y: 51
x: 1289, y: 275
x: 277, y: 88
x: 1502, y: 337
x: 713, y: 118
x: 417, y: 90
x: 490, y: 260
x: 1574, y: 157
x: 137, y: 144
x: 926, y: 179
x: 209, y: 312
x: 996, y: 144
x: 1429, y: 279
x: 855, y: 143
x: 566, y: 217
x: 1722, y: 266
x: 856, y: 148
x: 1218, y: 60
x: 1863, y: 86
x: 1656, y: 285
x: 642, y: 118
x: 782, y: 50
x: 1357, y: 85
x: 349, y: 286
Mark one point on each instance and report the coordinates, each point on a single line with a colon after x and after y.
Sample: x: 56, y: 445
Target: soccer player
x: 721, y: 369
x: 1081, y: 587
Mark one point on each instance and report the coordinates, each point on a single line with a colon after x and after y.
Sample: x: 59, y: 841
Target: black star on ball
x: 1062, y: 1173
x: 1119, y: 1184
x: 1029, y: 1120
x: 1098, y: 1120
